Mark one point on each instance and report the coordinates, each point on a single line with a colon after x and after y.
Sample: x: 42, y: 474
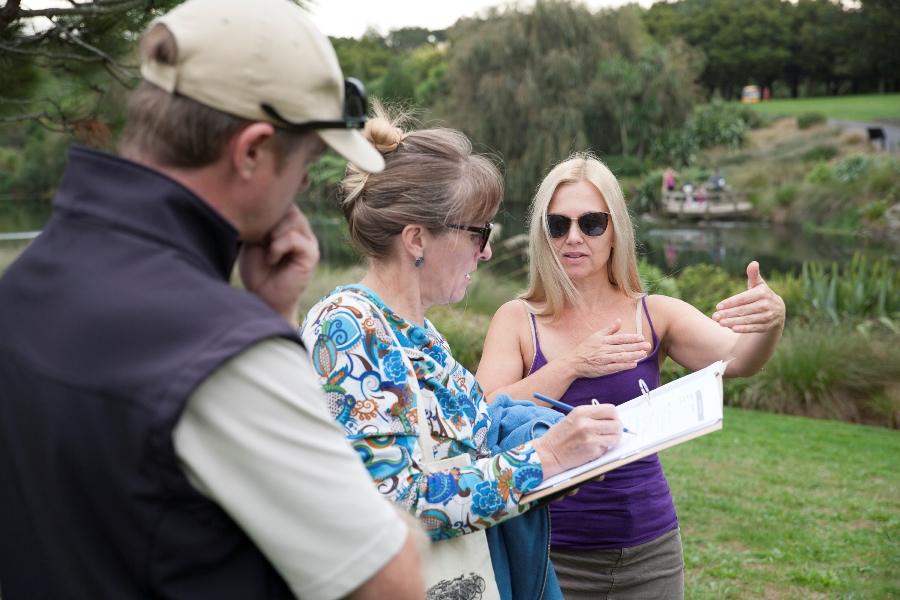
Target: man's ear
x: 414, y: 238
x: 250, y: 148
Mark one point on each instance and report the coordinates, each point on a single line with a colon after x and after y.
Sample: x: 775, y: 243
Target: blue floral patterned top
x: 370, y: 392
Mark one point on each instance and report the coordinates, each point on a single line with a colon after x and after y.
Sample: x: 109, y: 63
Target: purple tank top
x: 632, y: 505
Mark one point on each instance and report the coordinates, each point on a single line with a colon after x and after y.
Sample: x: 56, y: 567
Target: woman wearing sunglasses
x: 583, y: 330
x: 416, y: 417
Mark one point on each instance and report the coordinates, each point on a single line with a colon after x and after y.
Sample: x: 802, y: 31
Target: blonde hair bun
x: 383, y: 134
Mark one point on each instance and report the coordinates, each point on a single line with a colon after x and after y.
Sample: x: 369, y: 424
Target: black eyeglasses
x: 354, y: 110
x: 484, y: 231
x: 592, y: 224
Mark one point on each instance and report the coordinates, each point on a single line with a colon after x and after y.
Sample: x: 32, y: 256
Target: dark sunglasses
x: 484, y: 231
x: 592, y: 224
x: 354, y: 111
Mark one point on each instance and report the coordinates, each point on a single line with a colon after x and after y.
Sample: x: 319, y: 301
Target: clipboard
x: 680, y: 411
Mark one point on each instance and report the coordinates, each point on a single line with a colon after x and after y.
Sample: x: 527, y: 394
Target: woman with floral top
x: 423, y: 224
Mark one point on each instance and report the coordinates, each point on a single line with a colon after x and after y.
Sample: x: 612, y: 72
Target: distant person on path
x: 716, y: 182
x: 560, y: 338
x: 669, y: 178
x: 162, y: 434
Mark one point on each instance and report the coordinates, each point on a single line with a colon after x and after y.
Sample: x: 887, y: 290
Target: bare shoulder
x: 514, y: 309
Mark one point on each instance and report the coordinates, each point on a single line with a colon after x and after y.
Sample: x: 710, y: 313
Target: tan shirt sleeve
x: 257, y: 439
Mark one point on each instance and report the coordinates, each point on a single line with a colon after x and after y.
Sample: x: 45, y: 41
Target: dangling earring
x: 418, y: 262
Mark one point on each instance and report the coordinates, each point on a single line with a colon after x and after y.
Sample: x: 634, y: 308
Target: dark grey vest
x: 108, y: 322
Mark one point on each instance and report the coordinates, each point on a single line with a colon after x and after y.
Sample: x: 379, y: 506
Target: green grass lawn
x: 779, y: 507
x: 866, y: 107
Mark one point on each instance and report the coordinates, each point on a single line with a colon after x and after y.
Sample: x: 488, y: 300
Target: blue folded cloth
x: 520, y: 546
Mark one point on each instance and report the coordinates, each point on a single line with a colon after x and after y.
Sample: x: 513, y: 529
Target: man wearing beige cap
x: 162, y: 434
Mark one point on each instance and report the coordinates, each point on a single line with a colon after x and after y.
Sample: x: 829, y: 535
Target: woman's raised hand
x: 606, y: 351
x: 585, y: 434
x: 757, y: 310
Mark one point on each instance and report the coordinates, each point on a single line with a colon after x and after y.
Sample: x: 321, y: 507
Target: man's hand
x: 279, y: 268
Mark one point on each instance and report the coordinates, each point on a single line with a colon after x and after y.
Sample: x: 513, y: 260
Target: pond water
x: 670, y: 245
x: 673, y: 245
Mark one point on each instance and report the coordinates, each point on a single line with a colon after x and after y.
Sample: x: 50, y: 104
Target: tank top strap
x: 538, y: 361
x: 649, y: 320
x: 638, y: 323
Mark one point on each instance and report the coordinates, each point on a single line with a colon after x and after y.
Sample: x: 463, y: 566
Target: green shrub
x: 721, y: 123
x: 874, y: 211
x: 646, y: 195
x: 785, y: 195
x: 808, y: 119
x: 823, y: 152
x: 718, y: 124
x: 704, y: 286
x: 853, y: 167
x: 790, y: 287
x: 821, y: 173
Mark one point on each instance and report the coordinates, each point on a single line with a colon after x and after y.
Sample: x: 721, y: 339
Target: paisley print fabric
x: 371, y: 393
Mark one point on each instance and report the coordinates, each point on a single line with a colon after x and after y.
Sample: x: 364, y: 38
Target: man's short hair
x: 174, y: 131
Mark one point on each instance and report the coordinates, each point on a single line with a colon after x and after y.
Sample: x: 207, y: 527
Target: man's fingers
x: 292, y: 242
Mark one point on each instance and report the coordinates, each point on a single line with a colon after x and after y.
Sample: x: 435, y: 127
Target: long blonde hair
x: 549, y: 287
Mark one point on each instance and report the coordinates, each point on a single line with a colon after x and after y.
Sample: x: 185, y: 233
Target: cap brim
x: 350, y: 144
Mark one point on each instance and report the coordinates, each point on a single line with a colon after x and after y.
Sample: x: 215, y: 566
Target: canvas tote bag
x: 460, y: 567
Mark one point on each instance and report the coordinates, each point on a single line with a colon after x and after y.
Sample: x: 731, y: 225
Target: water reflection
x: 731, y: 245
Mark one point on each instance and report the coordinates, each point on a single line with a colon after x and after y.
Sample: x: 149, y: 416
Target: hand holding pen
x: 586, y: 433
x: 567, y: 408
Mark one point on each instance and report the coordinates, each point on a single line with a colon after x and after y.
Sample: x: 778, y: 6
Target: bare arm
x: 502, y: 369
x: 746, y: 327
x: 401, y: 578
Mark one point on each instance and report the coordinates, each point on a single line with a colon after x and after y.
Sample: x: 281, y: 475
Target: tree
x: 648, y: 95
x: 872, y: 57
x: 815, y: 45
x: 744, y: 40
x: 537, y: 85
x: 60, y: 64
x: 80, y: 51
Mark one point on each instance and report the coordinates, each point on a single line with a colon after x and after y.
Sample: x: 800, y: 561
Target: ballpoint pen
x: 566, y: 408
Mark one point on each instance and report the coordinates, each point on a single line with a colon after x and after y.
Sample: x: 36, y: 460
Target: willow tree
x: 649, y: 95
x: 525, y: 83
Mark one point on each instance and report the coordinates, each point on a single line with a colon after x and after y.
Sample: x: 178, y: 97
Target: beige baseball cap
x: 265, y: 60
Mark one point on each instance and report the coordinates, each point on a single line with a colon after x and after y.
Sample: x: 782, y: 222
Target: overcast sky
x: 351, y: 18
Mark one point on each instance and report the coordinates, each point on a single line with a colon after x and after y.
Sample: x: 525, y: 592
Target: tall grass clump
x: 855, y: 290
x: 808, y: 119
x: 829, y: 372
